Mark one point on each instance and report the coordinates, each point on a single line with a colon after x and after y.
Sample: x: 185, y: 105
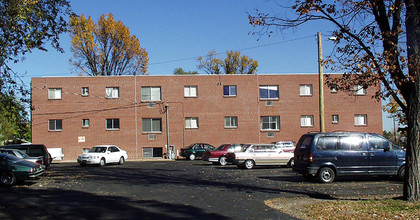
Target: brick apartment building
x: 74, y: 113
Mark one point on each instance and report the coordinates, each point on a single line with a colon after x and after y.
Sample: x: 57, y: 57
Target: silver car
x: 21, y: 155
x: 262, y: 154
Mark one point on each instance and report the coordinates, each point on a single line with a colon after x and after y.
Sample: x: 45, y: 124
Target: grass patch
x: 363, y: 209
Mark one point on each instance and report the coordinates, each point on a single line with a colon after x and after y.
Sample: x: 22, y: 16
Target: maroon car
x: 219, y: 155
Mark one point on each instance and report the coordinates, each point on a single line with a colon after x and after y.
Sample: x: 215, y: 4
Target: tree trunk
x: 412, y: 174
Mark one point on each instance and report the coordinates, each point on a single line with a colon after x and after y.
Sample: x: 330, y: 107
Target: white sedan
x: 103, y: 154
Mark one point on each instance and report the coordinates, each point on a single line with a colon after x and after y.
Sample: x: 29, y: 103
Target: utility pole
x: 168, y: 153
x: 321, y: 85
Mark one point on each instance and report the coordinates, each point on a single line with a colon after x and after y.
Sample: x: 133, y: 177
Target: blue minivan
x: 327, y: 155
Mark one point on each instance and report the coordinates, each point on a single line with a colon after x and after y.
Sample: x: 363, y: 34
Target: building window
x: 55, y: 125
x: 191, y: 122
x: 231, y: 122
x: 305, y: 90
x: 229, y: 90
x: 359, y: 90
x: 85, y: 91
x: 307, y: 120
x: 152, y: 124
x: 334, y: 88
x: 360, y: 120
x: 150, y: 93
x: 112, y: 92
x: 270, y: 123
x: 269, y: 92
x: 190, y: 91
x: 85, y: 123
x: 54, y: 93
x: 335, y: 119
x: 113, y: 124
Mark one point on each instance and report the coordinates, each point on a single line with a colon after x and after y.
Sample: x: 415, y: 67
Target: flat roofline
x: 196, y: 75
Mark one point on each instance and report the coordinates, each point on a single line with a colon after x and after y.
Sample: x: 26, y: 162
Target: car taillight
x: 311, y: 158
x: 32, y: 170
x: 39, y: 161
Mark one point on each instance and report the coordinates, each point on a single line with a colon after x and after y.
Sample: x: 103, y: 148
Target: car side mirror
x: 386, y: 149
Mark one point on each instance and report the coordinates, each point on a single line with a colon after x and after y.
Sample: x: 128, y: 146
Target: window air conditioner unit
x: 152, y: 136
x: 269, y: 103
x: 151, y: 105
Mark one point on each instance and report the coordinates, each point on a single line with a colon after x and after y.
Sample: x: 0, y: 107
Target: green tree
x: 25, y: 26
x: 378, y: 41
x: 180, y: 71
x: 14, y: 125
x: 105, y: 48
x: 234, y: 63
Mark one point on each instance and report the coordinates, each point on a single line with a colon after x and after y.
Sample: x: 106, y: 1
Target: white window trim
x: 270, y: 122
x: 88, y: 123
x: 54, y: 93
x: 359, y: 90
x: 84, y: 93
x: 230, y: 122
x: 230, y: 95
x: 152, y: 96
x: 191, y: 122
x: 269, y: 87
x: 112, y: 92
x: 150, y: 120
x: 190, y: 91
x: 305, y: 90
x: 55, y: 125
x: 335, y: 121
x: 306, y: 120
x: 112, y: 129
x: 360, y: 120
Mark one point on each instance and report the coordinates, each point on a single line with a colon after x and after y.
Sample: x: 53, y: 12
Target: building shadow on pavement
x: 51, y: 203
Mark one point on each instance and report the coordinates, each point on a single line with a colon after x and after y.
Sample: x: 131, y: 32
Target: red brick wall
x: 209, y: 106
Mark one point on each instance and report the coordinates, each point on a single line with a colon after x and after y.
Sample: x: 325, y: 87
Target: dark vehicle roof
x: 197, y: 143
x: 22, y: 145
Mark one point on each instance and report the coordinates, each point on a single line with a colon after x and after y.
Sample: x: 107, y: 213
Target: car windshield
x: 242, y: 147
x: 20, y: 154
x: 97, y: 150
x: 221, y: 147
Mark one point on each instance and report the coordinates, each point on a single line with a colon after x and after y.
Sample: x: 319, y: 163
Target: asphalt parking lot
x: 173, y: 189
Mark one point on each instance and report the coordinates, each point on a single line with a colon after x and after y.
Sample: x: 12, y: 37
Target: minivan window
x: 351, y: 143
x: 304, y: 143
x: 327, y: 143
x: 378, y: 143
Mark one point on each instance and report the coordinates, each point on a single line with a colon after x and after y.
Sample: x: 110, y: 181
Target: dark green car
x: 13, y: 169
x: 195, y: 150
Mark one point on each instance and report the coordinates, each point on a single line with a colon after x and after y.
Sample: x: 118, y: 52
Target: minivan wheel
x: 401, y: 173
x: 192, y: 157
x: 326, y: 175
x: 222, y: 160
x: 249, y: 164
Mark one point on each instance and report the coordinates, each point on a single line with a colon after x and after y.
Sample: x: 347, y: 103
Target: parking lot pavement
x: 173, y: 189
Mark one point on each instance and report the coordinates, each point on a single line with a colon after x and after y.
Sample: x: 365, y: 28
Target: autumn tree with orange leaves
x: 105, y: 48
x: 378, y: 42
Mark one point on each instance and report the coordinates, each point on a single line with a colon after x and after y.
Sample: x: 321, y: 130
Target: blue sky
x: 175, y: 32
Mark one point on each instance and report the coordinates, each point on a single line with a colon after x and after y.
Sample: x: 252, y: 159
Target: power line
x: 242, y: 49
